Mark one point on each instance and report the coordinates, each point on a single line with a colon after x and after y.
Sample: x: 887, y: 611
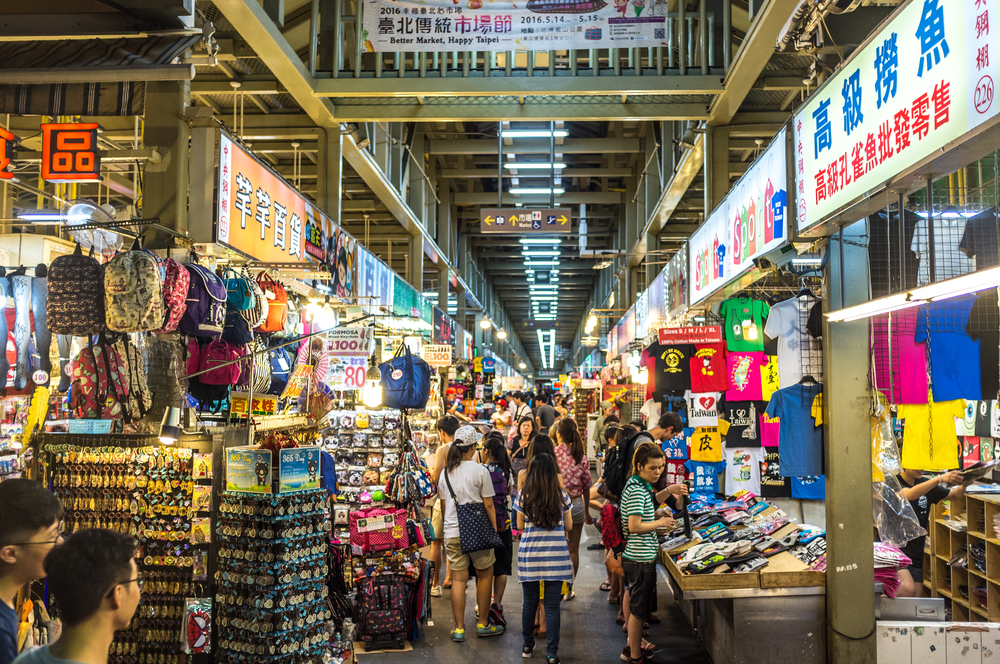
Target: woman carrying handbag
x: 470, y: 529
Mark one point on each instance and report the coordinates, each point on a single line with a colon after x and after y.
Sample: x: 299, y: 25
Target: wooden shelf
x: 978, y: 512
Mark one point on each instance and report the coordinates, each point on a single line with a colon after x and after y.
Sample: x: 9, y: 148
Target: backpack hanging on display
x: 132, y: 293
x: 236, y: 328
x: 98, y: 390
x: 281, y: 366
x: 277, y: 304
x: 140, y: 398
x: 260, y: 367
x: 206, y: 304
x: 215, y: 354
x: 176, y: 282
x: 257, y: 314
x: 239, y: 295
x: 75, y: 302
x: 406, y: 380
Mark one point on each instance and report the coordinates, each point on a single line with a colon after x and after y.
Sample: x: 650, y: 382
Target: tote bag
x: 406, y: 380
x: 475, y: 531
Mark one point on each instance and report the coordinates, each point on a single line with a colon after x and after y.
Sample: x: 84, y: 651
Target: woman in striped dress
x: 544, y: 514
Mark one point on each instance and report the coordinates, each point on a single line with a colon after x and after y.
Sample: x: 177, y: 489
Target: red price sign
x: 705, y: 334
x: 69, y: 152
x: 347, y: 373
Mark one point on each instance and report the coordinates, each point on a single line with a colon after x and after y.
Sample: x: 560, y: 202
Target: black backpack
x: 618, y: 464
x: 75, y: 304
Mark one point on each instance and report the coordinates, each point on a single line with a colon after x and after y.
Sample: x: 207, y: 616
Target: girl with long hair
x: 540, y: 444
x: 574, y: 466
x: 493, y: 456
x: 526, y: 432
x: 543, y: 563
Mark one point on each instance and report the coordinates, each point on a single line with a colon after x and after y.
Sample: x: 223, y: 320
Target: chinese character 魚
x: 852, y: 102
x: 930, y: 32
x: 886, y: 68
x: 824, y: 130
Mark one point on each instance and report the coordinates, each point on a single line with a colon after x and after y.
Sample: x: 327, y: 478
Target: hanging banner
x: 749, y: 222
x: 525, y: 222
x: 349, y: 341
x: 922, y: 82
x: 534, y: 25
x: 444, y: 328
x: 626, y: 329
x: 612, y: 392
x: 259, y: 214
x: 656, y: 306
x: 642, y: 315
x: 374, y: 282
x: 675, y: 283
x: 437, y: 355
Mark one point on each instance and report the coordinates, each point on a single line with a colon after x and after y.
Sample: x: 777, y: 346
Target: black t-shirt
x: 984, y: 412
x: 744, y: 423
x: 814, y: 326
x: 8, y: 633
x: 981, y: 240
x: 914, y: 549
x: 772, y: 484
x: 672, y: 367
x: 883, y: 250
x: 984, y: 325
x: 547, y: 414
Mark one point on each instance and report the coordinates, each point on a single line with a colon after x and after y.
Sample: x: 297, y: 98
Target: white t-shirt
x: 651, y: 409
x: 41, y: 656
x: 949, y: 260
x: 995, y: 419
x: 787, y: 321
x: 471, y: 482
x: 702, y: 408
x: 743, y: 469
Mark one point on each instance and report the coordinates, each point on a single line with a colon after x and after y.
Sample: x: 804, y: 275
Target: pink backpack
x: 216, y: 353
x: 368, y: 536
x: 176, y: 282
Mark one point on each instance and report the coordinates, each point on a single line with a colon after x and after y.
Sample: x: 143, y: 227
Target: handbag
x: 475, y: 531
x: 406, y: 380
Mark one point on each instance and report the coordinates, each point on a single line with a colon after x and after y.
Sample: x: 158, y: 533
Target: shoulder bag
x: 475, y: 531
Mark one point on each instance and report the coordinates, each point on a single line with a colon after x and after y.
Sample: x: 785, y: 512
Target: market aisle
x: 589, y: 633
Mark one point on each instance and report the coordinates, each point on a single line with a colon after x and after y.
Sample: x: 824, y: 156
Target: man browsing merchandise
x: 30, y: 519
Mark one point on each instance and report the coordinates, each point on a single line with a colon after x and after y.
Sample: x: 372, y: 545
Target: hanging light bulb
x: 485, y: 323
x: 372, y: 393
x: 314, y: 294
x: 522, y: 365
x: 170, y: 427
x: 501, y: 334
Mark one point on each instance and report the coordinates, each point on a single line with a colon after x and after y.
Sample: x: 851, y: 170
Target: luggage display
x: 382, y: 608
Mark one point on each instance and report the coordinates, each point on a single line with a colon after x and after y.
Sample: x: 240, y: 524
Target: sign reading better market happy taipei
x: 928, y: 77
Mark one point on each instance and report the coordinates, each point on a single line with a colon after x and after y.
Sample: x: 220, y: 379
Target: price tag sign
x: 263, y: 404
x: 347, y: 373
x: 437, y: 355
x: 349, y: 342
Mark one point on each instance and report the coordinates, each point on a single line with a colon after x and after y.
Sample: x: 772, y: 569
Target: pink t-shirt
x: 769, y: 430
x: 744, y: 376
x: 676, y: 472
x: 908, y: 379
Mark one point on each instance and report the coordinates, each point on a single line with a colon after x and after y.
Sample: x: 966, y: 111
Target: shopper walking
x: 30, y: 525
x: 494, y: 458
x: 574, y: 466
x: 526, y: 432
x: 540, y: 444
x: 545, y: 415
x: 639, y: 524
x: 544, y: 514
x: 466, y: 482
x: 96, y: 583
x: 446, y: 428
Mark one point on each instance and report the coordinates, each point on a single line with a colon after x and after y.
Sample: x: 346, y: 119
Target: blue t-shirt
x: 810, y: 487
x: 705, y: 475
x: 8, y: 633
x: 676, y: 448
x: 952, y: 354
x: 800, y: 441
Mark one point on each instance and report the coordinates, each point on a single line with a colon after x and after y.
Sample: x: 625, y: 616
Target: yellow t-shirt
x: 929, y: 440
x: 706, y: 442
x: 769, y: 377
x: 817, y: 409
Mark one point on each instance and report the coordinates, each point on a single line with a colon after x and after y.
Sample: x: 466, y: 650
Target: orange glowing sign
x: 69, y: 152
x: 7, y: 141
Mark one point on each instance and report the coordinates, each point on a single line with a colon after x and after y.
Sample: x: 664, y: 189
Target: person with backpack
x: 447, y: 426
x: 575, y: 470
x: 466, y: 482
x: 543, y: 562
x: 493, y: 456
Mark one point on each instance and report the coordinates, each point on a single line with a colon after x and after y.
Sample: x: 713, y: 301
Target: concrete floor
x: 588, y: 635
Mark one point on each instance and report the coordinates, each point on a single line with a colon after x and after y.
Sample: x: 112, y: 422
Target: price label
x: 437, y: 355
x: 347, y: 373
x: 349, y: 342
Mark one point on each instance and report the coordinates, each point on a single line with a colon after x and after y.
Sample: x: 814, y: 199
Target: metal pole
x: 727, y: 31
x: 703, y: 30
x: 552, y: 163
x: 681, y: 38
x: 930, y: 230
x: 901, y: 228
x: 500, y: 165
x: 313, y: 25
x: 338, y: 37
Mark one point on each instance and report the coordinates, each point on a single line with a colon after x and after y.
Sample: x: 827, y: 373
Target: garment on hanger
x: 984, y: 327
x: 796, y: 351
x: 952, y: 354
x: 929, y: 440
x: 949, y: 260
x: 744, y: 323
x: 902, y: 378
x: 981, y: 239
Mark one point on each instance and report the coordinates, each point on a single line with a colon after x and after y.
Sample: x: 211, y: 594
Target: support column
x: 416, y: 262
x: 330, y: 172
x: 166, y: 184
x: 850, y: 611
x: 6, y: 205
x: 460, y: 314
x: 445, y: 234
x: 443, y: 286
x: 716, y: 167
x: 652, y: 246
x: 412, y: 164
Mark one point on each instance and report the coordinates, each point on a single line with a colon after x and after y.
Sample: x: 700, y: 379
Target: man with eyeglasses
x: 30, y: 520
x: 97, y: 587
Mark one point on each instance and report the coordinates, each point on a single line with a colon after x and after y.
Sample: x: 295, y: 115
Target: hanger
x: 805, y: 291
x: 808, y: 379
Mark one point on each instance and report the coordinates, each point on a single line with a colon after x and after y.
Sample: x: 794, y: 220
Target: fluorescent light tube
x: 534, y: 133
x: 540, y: 240
x: 533, y: 166
x: 517, y: 191
x: 875, y: 307
x: 969, y: 283
x: 526, y: 252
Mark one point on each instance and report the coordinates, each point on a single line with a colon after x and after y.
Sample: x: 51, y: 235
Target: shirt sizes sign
x: 520, y: 221
x: 706, y: 334
x: 750, y: 221
x: 474, y: 25
x: 926, y: 79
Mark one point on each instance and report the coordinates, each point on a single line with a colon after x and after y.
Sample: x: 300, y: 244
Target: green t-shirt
x: 744, y: 320
x: 637, y: 498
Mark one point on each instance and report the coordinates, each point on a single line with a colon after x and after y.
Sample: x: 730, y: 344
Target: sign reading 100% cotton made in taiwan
x: 498, y: 25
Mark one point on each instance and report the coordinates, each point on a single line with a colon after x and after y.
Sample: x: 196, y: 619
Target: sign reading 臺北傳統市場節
x: 503, y: 25
x: 926, y: 79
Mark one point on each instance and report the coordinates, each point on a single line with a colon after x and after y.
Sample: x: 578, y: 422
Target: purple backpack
x: 206, y: 304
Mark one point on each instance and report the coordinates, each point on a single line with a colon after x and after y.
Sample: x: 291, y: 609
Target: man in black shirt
x: 546, y: 414
x: 922, y: 495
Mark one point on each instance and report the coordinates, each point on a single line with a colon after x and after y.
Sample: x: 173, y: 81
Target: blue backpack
x: 406, y: 380
x: 239, y: 294
x: 281, y: 367
x: 206, y: 304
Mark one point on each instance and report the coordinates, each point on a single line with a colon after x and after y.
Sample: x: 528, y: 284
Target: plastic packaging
x: 196, y: 633
x: 895, y: 519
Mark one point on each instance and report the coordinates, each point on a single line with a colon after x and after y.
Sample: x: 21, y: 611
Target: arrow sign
x: 522, y: 221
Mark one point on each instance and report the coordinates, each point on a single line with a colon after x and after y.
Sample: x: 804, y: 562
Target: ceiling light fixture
x: 485, y: 323
x: 602, y: 265
x: 540, y: 240
x: 533, y: 166
x: 534, y: 133
x: 518, y: 191
x: 501, y: 334
x: 527, y: 252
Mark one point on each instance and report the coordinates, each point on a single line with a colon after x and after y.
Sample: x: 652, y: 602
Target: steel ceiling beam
x: 470, y: 173
x: 514, y: 111
x: 470, y: 146
x: 220, y: 85
x: 569, y: 198
x: 506, y: 86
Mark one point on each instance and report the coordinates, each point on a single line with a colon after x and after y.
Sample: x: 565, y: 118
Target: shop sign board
x: 925, y: 79
x: 467, y: 345
x: 526, y: 222
x: 626, y: 329
x: 675, y: 283
x: 642, y: 315
x: 349, y: 341
x: 298, y: 469
x: 262, y: 216
x: 406, y: 301
x: 444, y: 328
x: 437, y: 355
x: 375, y: 280
x: 90, y: 426
x: 511, y: 383
x: 248, y: 470
x: 612, y: 392
x: 589, y: 383
x: 749, y: 222
x: 263, y: 404
x: 613, y: 342
x: 557, y: 385
x: 69, y: 152
x: 347, y: 373
x: 534, y: 25
x: 704, y: 334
